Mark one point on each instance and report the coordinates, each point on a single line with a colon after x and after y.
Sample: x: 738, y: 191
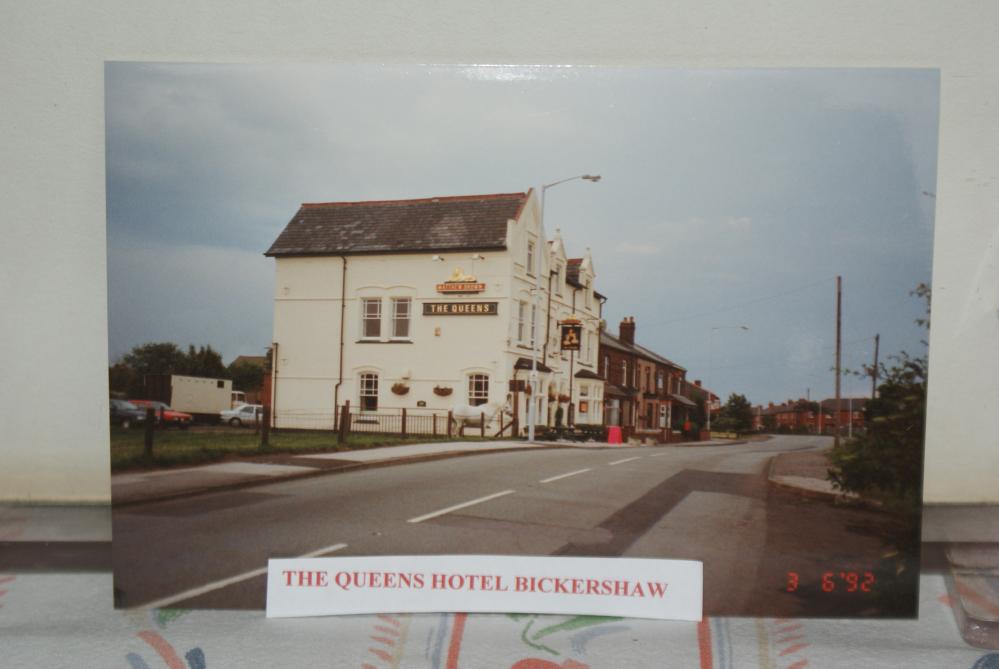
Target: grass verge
x: 192, y: 447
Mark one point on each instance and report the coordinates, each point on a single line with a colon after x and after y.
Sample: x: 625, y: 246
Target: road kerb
x: 351, y: 467
x: 786, y: 483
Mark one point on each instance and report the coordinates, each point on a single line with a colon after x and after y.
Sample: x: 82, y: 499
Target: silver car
x: 245, y: 414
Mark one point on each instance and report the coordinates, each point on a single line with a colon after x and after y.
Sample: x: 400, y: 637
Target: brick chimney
x: 627, y: 330
x: 697, y: 382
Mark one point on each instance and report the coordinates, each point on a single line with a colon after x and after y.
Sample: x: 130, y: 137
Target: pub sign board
x: 571, y: 335
x: 461, y: 283
x: 460, y: 308
x: 460, y: 287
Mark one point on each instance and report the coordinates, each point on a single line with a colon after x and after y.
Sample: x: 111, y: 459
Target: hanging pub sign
x: 460, y: 308
x: 460, y: 283
x: 572, y: 333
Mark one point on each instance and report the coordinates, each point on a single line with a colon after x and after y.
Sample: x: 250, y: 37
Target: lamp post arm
x: 536, y: 303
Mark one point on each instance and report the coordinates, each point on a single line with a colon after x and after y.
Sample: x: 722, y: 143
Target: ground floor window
x: 613, y: 412
x: 478, y: 389
x: 369, y: 392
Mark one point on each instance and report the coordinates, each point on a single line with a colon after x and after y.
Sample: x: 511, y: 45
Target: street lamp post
x: 707, y: 377
x: 535, y: 307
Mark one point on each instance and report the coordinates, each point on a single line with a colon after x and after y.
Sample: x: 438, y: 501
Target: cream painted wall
x: 441, y: 350
x: 52, y: 261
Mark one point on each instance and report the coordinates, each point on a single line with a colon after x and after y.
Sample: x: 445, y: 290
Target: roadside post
x: 148, y: 437
x: 344, y: 423
x: 265, y: 428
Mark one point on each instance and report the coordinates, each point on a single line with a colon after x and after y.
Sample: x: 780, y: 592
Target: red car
x: 166, y: 416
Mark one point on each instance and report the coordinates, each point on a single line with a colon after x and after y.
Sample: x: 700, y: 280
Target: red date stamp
x: 831, y: 581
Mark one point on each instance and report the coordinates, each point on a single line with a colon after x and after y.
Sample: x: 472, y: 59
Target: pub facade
x: 428, y: 305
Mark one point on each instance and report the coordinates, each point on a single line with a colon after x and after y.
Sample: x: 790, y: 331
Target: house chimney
x: 770, y: 405
x: 697, y: 382
x: 627, y: 330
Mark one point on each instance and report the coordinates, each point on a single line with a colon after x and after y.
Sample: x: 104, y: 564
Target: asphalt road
x: 706, y: 503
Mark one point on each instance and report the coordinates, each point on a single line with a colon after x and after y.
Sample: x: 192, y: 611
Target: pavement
x: 801, y: 471
x: 805, y: 472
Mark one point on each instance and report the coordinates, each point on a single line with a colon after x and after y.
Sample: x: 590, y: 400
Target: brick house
x: 851, y: 411
x: 812, y: 417
x: 643, y: 391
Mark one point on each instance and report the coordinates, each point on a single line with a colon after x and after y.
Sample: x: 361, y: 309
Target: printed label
x: 633, y: 587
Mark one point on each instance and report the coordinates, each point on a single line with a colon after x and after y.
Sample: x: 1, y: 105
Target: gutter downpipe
x: 274, y: 383
x: 548, y: 322
x: 343, y: 311
x: 571, y: 419
x: 600, y: 331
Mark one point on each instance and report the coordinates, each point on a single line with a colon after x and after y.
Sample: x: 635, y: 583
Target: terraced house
x: 645, y: 393
x: 427, y: 305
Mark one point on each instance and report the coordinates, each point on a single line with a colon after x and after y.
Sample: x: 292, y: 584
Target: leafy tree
x: 699, y: 415
x: 246, y: 376
x: 157, y: 358
x: 128, y: 375
x: 204, y: 361
x: 887, y: 461
x: 122, y: 379
x: 737, y: 414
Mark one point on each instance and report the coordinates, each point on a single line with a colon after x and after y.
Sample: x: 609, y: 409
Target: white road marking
x: 218, y: 585
x: 658, y: 455
x: 323, y: 551
x: 618, y: 462
x: 564, y: 476
x: 434, y: 514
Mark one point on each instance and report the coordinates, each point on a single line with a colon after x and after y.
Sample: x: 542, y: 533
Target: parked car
x: 245, y: 414
x: 166, y: 416
x: 125, y: 414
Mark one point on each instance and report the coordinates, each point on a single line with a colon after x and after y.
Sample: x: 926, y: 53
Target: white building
x: 388, y: 304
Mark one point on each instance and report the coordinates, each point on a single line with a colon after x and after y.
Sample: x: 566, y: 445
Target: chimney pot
x: 627, y: 330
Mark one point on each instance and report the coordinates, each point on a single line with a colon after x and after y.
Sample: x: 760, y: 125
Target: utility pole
x: 839, y: 322
x: 874, y: 369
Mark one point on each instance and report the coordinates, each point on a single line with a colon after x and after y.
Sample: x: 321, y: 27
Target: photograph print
x: 540, y: 311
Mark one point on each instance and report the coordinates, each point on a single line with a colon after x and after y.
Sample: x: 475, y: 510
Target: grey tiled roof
x: 398, y: 226
x: 609, y: 340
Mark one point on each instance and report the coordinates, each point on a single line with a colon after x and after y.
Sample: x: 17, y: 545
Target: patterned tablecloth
x: 67, y: 620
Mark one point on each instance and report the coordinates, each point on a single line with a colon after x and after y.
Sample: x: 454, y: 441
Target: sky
x: 728, y: 198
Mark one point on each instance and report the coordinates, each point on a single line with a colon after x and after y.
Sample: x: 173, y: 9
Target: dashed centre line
x: 166, y: 602
x: 434, y: 514
x: 564, y: 476
x: 619, y: 462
